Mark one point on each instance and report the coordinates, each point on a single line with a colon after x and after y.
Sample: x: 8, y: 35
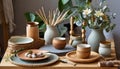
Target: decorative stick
x: 71, y: 26
x: 61, y: 17
x: 44, y: 15
x: 54, y: 17
x: 83, y: 33
x: 71, y: 29
x: 40, y: 14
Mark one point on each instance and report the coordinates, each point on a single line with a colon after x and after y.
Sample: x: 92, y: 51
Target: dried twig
x: 54, y: 17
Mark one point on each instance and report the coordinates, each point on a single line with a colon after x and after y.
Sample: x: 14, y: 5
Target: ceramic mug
x: 105, y: 48
x: 83, y: 51
x: 59, y: 42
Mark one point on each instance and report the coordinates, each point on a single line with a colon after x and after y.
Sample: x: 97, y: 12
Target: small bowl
x: 59, y: 42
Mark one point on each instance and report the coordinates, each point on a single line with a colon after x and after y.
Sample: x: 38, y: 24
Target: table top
x: 6, y: 64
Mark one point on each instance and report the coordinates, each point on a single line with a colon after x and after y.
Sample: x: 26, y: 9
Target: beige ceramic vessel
x: 83, y: 51
x: 59, y: 42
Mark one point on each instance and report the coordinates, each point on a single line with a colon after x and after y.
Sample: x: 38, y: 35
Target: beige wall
x: 22, y: 6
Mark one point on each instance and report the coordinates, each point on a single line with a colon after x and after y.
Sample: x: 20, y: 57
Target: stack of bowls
x: 19, y: 42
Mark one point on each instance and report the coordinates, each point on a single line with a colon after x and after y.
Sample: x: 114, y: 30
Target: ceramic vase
x: 94, y: 39
x: 50, y: 33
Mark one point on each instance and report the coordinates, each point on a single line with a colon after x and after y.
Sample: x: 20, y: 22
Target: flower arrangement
x: 97, y: 18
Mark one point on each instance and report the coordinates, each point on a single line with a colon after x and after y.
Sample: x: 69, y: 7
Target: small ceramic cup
x: 105, y: 48
x: 59, y: 42
x: 83, y: 51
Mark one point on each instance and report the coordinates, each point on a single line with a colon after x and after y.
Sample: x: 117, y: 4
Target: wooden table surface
x: 6, y: 64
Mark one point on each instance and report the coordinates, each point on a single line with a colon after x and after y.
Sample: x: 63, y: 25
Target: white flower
x: 86, y: 11
x: 99, y: 13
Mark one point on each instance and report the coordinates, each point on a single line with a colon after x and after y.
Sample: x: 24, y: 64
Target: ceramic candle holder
x: 59, y: 42
x: 83, y: 51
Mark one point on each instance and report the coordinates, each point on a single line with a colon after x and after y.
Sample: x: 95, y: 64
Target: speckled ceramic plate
x: 22, y: 56
x: 51, y: 59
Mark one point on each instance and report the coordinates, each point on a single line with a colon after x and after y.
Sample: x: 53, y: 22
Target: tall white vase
x: 50, y: 33
x: 94, y: 38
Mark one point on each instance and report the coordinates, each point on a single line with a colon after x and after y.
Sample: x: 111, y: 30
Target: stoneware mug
x: 105, y: 48
x: 83, y: 51
x: 59, y: 42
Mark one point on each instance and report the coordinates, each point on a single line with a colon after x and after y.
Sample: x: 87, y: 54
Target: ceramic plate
x: 51, y: 59
x: 72, y: 57
x: 22, y: 56
x: 20, y: 40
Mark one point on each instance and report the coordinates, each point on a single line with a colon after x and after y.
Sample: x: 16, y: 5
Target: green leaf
x: 61, y: 29
x: 30, y: 16
x: 62, y: 6
x: 82, y: 3
x: 65, y: 1
x: 42, y: 27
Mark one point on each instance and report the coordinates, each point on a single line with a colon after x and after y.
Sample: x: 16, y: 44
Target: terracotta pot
x: 59, y: 42
x: 32, y: 30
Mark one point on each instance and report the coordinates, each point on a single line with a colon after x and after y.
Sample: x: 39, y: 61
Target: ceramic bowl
x: 59, y: 42
x: 18, y: 42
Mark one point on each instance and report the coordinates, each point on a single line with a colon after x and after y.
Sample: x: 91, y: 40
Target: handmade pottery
x: 83, y: 51
x: 50, y: 33
x: 59, y: 42
x: 94, y: 39
x: 105, y: 48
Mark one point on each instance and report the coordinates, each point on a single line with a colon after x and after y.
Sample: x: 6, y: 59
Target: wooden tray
x: 72, y: 57
x: 22, y: 56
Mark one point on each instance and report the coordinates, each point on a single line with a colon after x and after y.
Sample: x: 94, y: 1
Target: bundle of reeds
x: 54, y: 17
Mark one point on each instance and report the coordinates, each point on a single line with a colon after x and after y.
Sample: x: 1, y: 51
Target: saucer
x: 72, y: 57
x: 22, y: 56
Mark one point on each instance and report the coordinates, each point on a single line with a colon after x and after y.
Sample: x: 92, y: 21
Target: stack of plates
x: 18, y: 42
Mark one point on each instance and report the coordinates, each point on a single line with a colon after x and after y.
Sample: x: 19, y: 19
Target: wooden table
x: 6, y: 64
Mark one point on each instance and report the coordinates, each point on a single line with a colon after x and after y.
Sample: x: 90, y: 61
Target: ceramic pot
x: 50, y: 33
x: 59, y: 42
x: 32, y: 30
x: 94, y: 39
x: 105, y: 48
x: 83, y: 51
